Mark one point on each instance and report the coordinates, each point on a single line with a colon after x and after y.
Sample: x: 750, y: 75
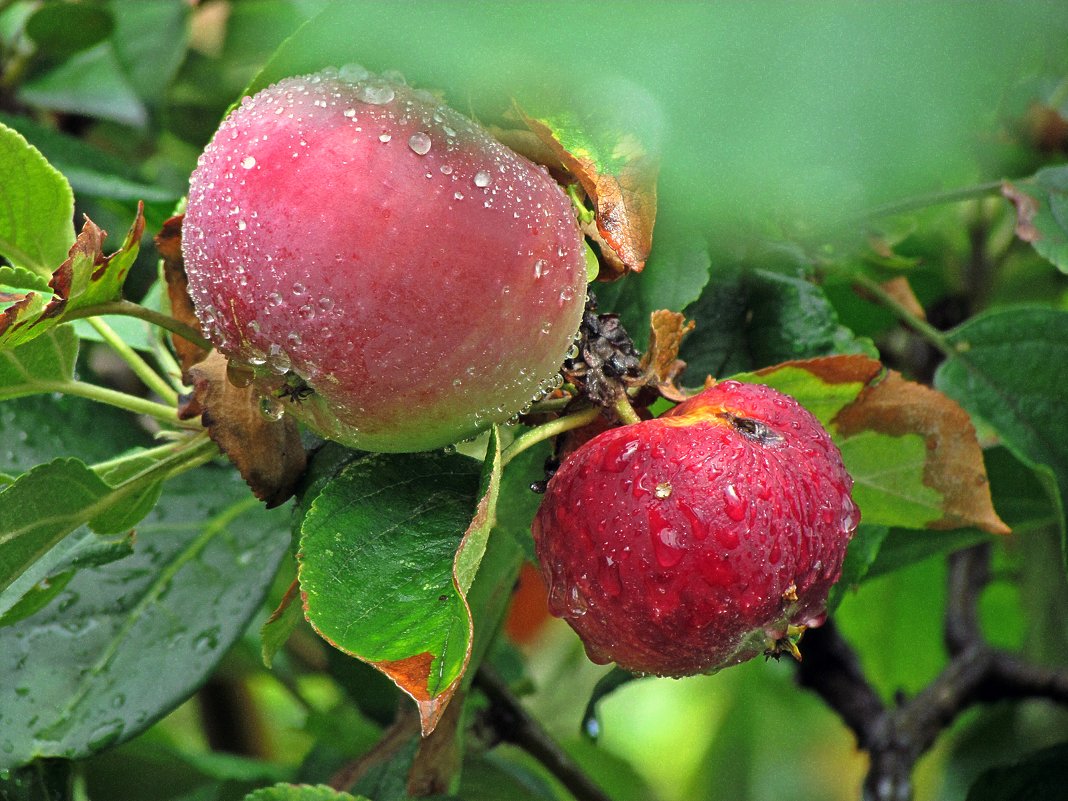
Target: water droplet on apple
x: 383, y: 138
x: 419, y: 142
x: 353, y: 72
x: 576, y: 604
x: 482, y: 179
x: 376, y: 95
x: 248, y: 162
x: 733, y: 502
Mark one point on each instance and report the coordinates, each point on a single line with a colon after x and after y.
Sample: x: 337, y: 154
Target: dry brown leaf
x: 661, y: 358
x: 1026, y: 209
x: 268, y: 454
x: 624, y: 201
x: 169, y: 245
x: 901, y: 290
x: 954, y: 467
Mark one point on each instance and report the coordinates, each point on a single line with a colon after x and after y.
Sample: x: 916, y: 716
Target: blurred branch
x: 897, y: 737
x: 511, y: 723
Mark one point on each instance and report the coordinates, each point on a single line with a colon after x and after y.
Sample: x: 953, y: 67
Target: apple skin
x: 694, y: 541
x: 348, y: 235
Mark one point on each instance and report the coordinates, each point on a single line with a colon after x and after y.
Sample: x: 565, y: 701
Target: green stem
x: 153, y: 380
x: 547, y: 431
x: 127, y: 308
x: 920, y: 326
x: 193, y: 452
x: 122, y: 400
x: 626, y: 411
x: 934, y: 199
x: 550, y: 405
x: 161, y: 451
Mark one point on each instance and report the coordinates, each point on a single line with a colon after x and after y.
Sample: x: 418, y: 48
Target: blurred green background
x: 769, y: 118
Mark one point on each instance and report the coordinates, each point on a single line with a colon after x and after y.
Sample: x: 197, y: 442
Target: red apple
x: 378, y: 263
x: 697, y: 540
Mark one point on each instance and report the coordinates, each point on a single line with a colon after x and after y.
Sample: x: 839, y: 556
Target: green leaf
x: 91, y: 82
x: 1008, y: 371
x: 473, y: 545
x: 61, y: 29
x: 748, y: 319
x: 300, y: 792
x: 376, y: 568
x: 862, y: 552
x: 130, y: 640
x: 888, y: 479
x: 85, y: 279
x: 1036, y: 777
x: 36, y: 211
x: 92, y: 172
x: 150, y: 42
x: 1042, y: 212
x: 37, y: 429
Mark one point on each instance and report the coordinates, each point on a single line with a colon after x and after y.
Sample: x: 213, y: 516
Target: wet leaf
x: 39, y: 365
x: 268, y: 453
x: 377, y: 554
x: 1041, y: 203
x: 128, y: 641
x: 85, y: 279
x: 36, y: 210
x: 618, y: 176
x: 661, y: 357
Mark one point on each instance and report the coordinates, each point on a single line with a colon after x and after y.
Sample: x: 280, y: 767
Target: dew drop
x: 248, y: 162
x: 384, y: 138
x: 299, y: 288
x: 293, y: 338
x: 734, y: 503
x: 275, y: 299
x: 576, y: 604
x: 238, y: 374
x: 446, y: 169
x: 618, y: 454
x: 325, y: 303
x: 374, y: 95
x: 353, y: 72
x: 349, y: 112
x: 540, y: 268
x: 667, y: 544
x: 482, y: 179
x: 459, y: 195
x: 271, y: 409
x: 419, y: 142
x: 306, y: 311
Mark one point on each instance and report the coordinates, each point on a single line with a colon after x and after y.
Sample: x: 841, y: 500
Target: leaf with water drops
x: 85, y: 279
x: 377, y: 552
x: 128, y: 641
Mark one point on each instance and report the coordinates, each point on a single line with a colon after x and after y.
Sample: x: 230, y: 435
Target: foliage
x: 787, y: 159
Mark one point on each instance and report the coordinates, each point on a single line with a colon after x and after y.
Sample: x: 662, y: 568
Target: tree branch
x: 511, y: 723
x: 977, y: 673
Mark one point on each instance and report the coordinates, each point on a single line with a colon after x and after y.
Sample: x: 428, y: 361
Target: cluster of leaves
x: 132, y: 559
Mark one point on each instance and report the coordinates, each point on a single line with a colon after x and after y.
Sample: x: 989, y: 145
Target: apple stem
x: 122, y: 400
x: 142, y: 369
x: 547, y: 431
x: 626, y: 411
x: 130, y: 309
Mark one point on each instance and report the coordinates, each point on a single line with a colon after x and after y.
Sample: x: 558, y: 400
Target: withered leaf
x: 87, y: 278
x: 1026, y: 209
x: 661, y: 360
x: 620, y: 183
x: 169, y: 245
x: 954, y: 465
x: 268, y: 454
